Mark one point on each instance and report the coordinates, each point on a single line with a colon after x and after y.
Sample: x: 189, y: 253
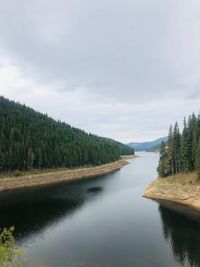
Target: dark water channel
x: 104, y: 222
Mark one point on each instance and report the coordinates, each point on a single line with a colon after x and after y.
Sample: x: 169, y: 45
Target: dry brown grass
x: 183, y: 188
x: 180, y: 179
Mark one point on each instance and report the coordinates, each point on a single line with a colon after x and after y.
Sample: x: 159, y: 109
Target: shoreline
x: 55, y: 177
x: 168, y: 189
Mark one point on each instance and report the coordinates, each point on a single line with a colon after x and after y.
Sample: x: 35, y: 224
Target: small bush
x: 18, y: 173
x: 10, y: 256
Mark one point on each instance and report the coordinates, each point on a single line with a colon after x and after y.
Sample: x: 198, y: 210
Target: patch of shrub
x: 18, y: 173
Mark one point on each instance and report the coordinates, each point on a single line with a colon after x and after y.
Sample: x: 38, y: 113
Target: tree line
x: 29, y: 139
x: 181, y: 153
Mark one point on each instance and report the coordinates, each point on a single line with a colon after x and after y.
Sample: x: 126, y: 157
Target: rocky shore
x: 182, y: 189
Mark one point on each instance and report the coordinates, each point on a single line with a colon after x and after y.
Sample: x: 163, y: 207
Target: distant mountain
x: 148, y: 146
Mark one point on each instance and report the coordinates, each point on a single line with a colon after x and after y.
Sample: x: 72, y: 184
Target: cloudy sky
x: 121, y: 69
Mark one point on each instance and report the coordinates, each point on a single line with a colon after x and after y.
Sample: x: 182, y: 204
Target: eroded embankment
x: 54, y: 177
x: 182, y: 189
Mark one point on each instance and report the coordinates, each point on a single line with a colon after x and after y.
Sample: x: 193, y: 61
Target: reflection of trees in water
x: 32, y: 217
x: 31, y: 210
x: 183, y: 230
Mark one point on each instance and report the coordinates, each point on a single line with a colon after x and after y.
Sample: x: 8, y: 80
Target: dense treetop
x: 29, y: 139
x: 182, y: 151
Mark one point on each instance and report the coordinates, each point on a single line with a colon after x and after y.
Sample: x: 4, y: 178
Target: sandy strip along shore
x: 54, y: 177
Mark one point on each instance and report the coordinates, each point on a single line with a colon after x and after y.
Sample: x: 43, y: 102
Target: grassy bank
x: 58, y: 176
x: 182, y: 188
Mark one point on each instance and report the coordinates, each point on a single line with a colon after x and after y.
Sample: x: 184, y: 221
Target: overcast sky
x: 122, y: 69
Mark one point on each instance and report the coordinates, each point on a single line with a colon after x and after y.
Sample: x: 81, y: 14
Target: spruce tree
x: 170, y: 151
x: 191, y: 141
x: 197, y: 162
x: 176, y: 148
x: 163, y: 167
x: 184, y: 150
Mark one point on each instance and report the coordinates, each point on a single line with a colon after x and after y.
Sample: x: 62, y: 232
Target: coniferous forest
x: 29, y: 139
x: 181, y: 153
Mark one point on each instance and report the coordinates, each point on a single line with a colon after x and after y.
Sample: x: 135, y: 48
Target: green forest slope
x: 29, y: 139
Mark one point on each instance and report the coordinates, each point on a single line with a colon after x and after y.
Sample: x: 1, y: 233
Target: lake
x: 103, y: 222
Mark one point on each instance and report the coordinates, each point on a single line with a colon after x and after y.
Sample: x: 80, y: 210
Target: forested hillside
x: 182, y: 151
x: 29, y: 139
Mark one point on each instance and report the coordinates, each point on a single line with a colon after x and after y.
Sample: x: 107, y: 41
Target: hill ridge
x: 148, y: 145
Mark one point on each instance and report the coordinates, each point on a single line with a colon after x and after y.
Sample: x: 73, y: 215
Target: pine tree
x: 163, y: 167
x: 170, y: 150
x: 30, y: 158
x: 177, y: 146
x: 184, y: 150
x: 197, y: 163
x: 191, y: 145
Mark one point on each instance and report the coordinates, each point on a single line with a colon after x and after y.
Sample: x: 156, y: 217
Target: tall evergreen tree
x: 176, y: 148
x: 164, y: 166
x: 170, y: 150
x: 191, y: 142
x: 197, y: 162
x: 184, y: 151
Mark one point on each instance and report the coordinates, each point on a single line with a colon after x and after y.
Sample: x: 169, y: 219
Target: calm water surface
x: 103, y: 222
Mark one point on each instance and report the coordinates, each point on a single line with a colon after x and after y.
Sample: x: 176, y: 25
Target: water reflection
x: 32, y: 210
x: 181, y: 226
x: 95, y: 189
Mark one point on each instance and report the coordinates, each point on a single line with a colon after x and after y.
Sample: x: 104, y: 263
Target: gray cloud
x: 123, y: 69
x: 194, y: 94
